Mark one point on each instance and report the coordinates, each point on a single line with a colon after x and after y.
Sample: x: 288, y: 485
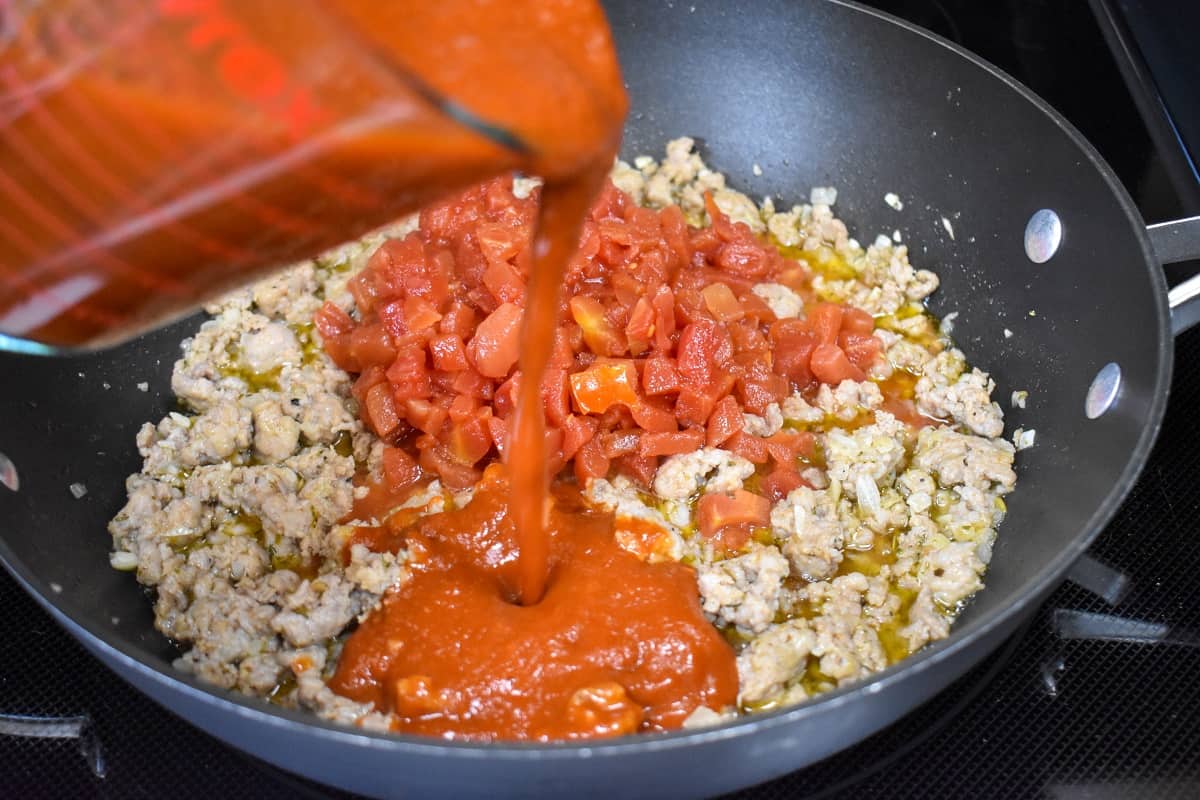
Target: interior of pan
x: 814, y: 94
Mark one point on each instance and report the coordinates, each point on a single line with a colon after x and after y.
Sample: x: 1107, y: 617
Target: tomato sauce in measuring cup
x: 154, y: 153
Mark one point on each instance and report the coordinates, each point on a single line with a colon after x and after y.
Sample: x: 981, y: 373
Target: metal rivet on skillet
x: 1103, y: 391
x: 8, y: 473
x: 1043, y: 235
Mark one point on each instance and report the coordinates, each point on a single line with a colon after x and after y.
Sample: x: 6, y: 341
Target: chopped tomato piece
x: 857, y: 321
x: 604, y: 384
x: 670, y: 444
x: 399, y: 468
x: 725, y: 420
x: 830, y: 365
x: 420, y: 314
x: 590, y: 461
x: 496, y: 344
x: 380, y: 410
x: 332, y: 321
x: 577, y: 431
x: 371, y: 344
x: 639, y: 331
x: 449, y: 353
x: 660, y: 377
x: 470, y: 438
x: 704, y: 346
x: 825, y: 320
x: 780, y: 483
x: 751, y: 448
x: 716, y: 510
x: 653, y: 417
x: 861, y: 350
x: 408, y: 375
x: 639, y: 467
x: 602, y: 337
x: 721, y: 302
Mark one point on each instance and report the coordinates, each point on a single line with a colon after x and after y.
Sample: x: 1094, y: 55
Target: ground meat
x: 796, y: 409
x: 708, y: 468
x: 744, y: 591
x: 770, y: 423
x: 769, y: 661
x: 807, y: 526
x: 967, y: 401
x: 848, y: 399
x: 958, y: 459
x: 873, y: 451
x: 784, y: 303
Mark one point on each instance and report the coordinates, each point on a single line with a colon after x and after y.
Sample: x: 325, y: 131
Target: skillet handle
x: 1179, y: 240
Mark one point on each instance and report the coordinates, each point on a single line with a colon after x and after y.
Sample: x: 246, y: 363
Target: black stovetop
x: 1091, y: 699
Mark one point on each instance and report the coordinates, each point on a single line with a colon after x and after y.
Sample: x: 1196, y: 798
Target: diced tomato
x: 577, y: 431
x: 653, y: 416
x: 780, y: 483
x: 496, y: 344
x: 639, y: 331
x: 420, y: 314
x: 604, y: 384
x: 408, y: 375
x: 695, y: 404
x: 448, y: 352
x: 379, y: 410
x: 332, y: 321
x: 639, y: 467
x: 498, y: 430
x: 424, y: 415
x: 825, y: 320
x: 670, y: 444
x: 590, y: 461
x: 716, y: 510
x: 704, y: 346
x: 659, y: 376
x: 751, y: 448
x: 786, y: 446
x: 436, y: 458
x: 664, y: 318
x: 857, y: 321
x: 620, y: 443
x: 555, y: 397
x: 362, y: 384
x: 721, y: 302
x: 459, y: 320
x: 725, y: 420
x: 602, y: 337
x: 470, y: 439
x: 399, y: 468
x: 503, y: 281
x: 792, y: 344
x: 757, y: 393
x: 861, y: 350
x: 371, y: 344
x: 830, y: 365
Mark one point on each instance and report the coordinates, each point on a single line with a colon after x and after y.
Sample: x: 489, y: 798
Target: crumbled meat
x: 769, y: 661
x: 874, y: 451
x: 770, y: 423
x: 744, y: 591
x: 967, y: 401
x: 783, y: 302
x: 809, y: 529
x: 708, y: 468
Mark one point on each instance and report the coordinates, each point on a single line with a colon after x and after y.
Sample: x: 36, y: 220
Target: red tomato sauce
x: 615, y: 645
